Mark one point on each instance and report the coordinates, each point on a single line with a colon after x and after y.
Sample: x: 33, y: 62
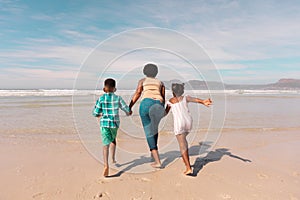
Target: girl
x: 183, y: 119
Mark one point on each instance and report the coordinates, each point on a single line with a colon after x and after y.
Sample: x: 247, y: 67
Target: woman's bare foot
x: 105, y: 171
x: 188, y: 171
x: 152, y: 158
x: 156, y: 165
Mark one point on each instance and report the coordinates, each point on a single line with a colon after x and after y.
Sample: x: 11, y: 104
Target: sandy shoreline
x: 37, y: 168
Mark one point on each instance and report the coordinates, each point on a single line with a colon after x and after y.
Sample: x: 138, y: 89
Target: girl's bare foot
x: 156, y: 165
x: 188, y: 171
x: 105, y: 171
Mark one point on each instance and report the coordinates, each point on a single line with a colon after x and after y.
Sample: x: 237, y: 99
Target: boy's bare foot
x: 188, y: 172
x: 105, y: 171
x: 156, y: 165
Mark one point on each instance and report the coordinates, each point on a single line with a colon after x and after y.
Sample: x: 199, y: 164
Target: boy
x: 107, y: 109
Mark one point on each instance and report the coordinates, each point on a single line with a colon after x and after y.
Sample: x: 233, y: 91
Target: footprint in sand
x: 143, y: 179
x: 142, y: 196
x: 262, y: 176
x: 101, y: 181
x: 178, y: 184
x: 37, y: 195
x: 19, y: 169
x: 296, y: 174
x: 101, y: 195
x: 293, y: 198
x: 225, y: 196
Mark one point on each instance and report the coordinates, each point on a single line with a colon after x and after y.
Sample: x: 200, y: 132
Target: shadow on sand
x: 213, y: 156
x: 196, y: 150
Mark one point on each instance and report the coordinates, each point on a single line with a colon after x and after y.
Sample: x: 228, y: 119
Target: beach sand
x: 48, y: 169
x: 42, y: 157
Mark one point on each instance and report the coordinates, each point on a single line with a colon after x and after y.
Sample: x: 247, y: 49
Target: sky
x: 44, y: 44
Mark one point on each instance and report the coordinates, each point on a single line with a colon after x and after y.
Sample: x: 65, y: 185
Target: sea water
x: 51, y: 111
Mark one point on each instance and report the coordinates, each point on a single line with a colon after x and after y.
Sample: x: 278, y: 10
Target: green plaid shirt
x: 107, y: 106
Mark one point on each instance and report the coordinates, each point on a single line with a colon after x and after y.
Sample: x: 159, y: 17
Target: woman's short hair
x: 178, y: 89
x: 150, y: 70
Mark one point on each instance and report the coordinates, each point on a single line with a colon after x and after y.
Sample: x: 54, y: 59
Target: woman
x: 151, y: 107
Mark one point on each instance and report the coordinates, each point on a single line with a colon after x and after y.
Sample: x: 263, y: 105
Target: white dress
x: 182, y: 117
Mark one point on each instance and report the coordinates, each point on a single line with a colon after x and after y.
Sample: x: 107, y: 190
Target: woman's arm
x: 168, y: 108
x: 171, y: 101
x: 137, y: 94
x: 163, y: 92
x: 206, y: 102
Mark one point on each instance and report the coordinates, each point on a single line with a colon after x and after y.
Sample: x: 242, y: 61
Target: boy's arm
x: 97, y: 109
x: 124, y: 106
x: 206, y: 102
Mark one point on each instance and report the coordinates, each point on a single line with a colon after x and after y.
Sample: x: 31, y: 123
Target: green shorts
x: 108, y: 135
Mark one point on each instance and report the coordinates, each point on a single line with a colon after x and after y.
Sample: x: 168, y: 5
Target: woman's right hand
x: 137, y: 94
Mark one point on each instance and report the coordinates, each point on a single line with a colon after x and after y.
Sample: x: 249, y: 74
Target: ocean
x: 50, y: 111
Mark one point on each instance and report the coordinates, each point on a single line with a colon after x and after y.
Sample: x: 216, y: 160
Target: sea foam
x: 70, y: 92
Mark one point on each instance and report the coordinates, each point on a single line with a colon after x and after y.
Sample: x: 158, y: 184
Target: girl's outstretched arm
x: 137, y: 94
x: 206, y: 102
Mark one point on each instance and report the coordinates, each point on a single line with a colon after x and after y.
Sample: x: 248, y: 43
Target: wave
x: 46, y: 92
x: 71, y: 92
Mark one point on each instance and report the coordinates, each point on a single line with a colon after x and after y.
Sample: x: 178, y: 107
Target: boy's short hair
x: 111, y: 83
x: 150, y: 70
x: 178, y: 89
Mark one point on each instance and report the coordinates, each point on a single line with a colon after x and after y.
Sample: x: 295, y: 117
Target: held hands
x: 207, y: 102
x: 129, y: 113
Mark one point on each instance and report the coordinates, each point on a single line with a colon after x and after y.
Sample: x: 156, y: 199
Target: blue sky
x: 43, y: 43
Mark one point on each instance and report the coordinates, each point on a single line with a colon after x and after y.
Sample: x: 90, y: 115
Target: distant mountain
x: 286, y: 84
x: 195, y: 84
x: 282, y: 84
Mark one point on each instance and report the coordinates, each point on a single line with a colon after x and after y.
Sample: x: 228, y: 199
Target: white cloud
x: 11, y: 7
x: 237, y: 30
x: 66, y: 54
x: 42, y: 74
x: 14, y: 78
x: 48, y: 18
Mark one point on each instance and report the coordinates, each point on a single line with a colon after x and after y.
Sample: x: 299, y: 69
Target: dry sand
x: 39, y: 168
